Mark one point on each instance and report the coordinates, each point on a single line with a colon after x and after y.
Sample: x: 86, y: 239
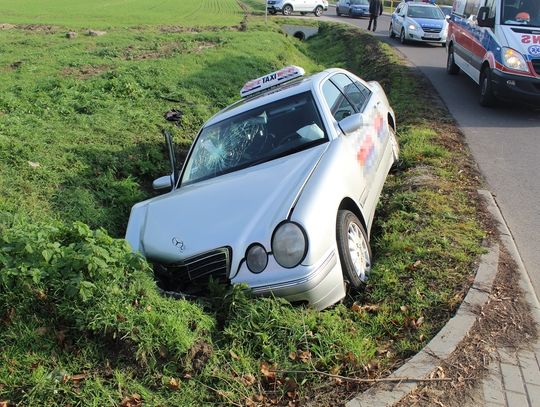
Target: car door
x: 307, y: 5
x: 398, y: 17
x: 345, y: 97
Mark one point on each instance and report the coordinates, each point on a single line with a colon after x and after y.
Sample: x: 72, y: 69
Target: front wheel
x: 391, y: 32
x: 402, y: 37
x: 287, y: 10
x: 487, y: 96
x: 353, y: 247
x: 451, y: 66
x: 318, y: 11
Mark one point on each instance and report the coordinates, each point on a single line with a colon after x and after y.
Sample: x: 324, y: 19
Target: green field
x: 121, y: 13
x: 81, y: 322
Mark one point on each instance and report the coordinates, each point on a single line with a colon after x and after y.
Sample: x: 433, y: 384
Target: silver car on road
x: 278, y: 191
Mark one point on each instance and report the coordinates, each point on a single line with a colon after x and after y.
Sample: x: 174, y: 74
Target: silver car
x: 278, y: 191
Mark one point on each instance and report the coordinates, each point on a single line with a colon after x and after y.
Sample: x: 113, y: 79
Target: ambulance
x: 497, y: 43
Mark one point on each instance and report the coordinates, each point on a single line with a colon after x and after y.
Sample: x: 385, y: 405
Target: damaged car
x: 278, y: 191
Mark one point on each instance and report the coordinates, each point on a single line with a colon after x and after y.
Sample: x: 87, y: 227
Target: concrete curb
x: 449, y: 337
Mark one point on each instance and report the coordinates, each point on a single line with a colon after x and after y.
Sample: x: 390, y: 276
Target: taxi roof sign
x: 272, y: 79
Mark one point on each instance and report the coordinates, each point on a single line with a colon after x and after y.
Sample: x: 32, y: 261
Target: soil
x: 504, y: 321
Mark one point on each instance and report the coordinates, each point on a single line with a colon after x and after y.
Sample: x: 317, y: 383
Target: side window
x: 351, y: 91
x: 471, y: 8
x: 337, y: 102
x: 492, y: 8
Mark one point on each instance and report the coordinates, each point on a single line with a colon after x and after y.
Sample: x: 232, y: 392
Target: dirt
x: 166, y: 50
x: 85, y: 72
x: 504, y: 321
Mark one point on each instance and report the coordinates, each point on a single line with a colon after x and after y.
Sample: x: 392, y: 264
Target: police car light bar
x: 272, y: 79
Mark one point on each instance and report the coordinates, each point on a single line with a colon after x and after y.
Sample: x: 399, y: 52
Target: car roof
x: 420, y: 4
x: 296, y: 86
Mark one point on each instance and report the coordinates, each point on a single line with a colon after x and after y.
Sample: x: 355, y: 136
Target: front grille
x: 536, y: 65
x: 192, y: 274
x: 431, y: 30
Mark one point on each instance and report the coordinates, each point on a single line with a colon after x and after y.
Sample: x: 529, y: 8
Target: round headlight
x: 412, y: 27
x: 256, y: 258
x: 289, y: 244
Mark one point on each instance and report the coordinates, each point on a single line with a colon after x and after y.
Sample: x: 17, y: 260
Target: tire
x: 353, y: 247
x: 487, y: 97
x: 273, y: 12
x: 318, y: 11
x: 338, y: 13
x: 287, y: 10
x: 402, y: 38
x: 451, y: 66
x: 391, y: 33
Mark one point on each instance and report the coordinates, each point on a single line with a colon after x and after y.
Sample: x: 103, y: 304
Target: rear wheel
x: 451, y: 66
x: 487, y: 97
x: 338, y: 13
x: 353, y: 247
x: 287, y: 10
x: 391, y: 31
x: 272, y: 12
x: 318, y: 11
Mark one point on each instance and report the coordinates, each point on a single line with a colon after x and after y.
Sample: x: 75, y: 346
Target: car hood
x: 232, y: 210
x: 524, y: 39
x: 428, y: 22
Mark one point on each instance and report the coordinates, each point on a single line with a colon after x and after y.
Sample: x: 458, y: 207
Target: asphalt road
x: 505, y: 141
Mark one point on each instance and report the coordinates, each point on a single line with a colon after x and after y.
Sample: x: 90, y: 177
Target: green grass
x: 80, y: 320
x: 121, y: 13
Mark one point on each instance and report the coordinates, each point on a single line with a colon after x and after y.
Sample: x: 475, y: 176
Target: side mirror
x: 161, y: 183
x: 482, y: 19
x: 447, y: 17
x: 175, y: 172
x: 352, y: 123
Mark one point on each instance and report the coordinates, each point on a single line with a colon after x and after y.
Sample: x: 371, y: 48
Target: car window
x: 354, y: 93
x: 262, y: 134
x: 425, y: 12
x: 337, y: 102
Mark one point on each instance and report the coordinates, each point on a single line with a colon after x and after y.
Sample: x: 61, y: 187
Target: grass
x: 113, y: 14
x: 81, y: 323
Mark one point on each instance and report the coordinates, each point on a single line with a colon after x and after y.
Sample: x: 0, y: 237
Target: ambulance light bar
x: 272, y: 79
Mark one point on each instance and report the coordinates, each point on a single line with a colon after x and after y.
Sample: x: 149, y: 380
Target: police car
x: 419, y: 22
x: 278, y: 191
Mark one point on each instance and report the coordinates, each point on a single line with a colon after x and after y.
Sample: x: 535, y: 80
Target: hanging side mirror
x: 168, y: 181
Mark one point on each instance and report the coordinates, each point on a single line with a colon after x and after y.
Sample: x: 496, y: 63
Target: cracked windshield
x: 521, y: 12
x: 259, y: 135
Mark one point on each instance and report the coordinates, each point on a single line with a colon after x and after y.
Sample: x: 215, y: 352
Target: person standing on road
x: 375, y: 10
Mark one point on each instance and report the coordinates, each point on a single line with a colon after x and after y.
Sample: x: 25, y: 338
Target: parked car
x: 417, y: 21
x: 287, y: 7
x: 353, y: 8
x: 278, y: 191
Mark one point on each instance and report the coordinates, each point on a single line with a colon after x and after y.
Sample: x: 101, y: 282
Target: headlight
x: 412, y: 27
x: 289, y: 244
x: 514, y: 60
x: 256, y: 258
